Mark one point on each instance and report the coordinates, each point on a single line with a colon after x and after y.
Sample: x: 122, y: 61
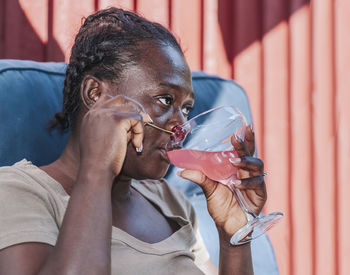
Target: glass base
x: 255, y: 228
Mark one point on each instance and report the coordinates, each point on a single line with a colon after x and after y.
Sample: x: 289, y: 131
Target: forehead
x: 158, y: 66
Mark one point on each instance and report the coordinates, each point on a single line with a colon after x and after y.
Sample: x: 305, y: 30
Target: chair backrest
x: 31, y: 93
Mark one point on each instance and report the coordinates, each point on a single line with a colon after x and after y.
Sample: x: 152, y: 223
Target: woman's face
x: 162, y: 83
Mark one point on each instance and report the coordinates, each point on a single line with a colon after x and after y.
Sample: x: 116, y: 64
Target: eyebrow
x: 176, y: 87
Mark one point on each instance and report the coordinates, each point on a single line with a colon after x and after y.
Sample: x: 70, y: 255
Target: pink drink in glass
x: 215, y: 165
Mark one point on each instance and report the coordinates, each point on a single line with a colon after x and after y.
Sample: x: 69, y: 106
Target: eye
x: 166, y: 100
x: 186, y: 110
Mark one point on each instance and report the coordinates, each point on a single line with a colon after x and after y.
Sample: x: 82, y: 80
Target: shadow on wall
x: 19, y: 40
x: 242, y: 22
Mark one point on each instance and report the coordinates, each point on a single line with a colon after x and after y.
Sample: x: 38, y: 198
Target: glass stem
x: 249, y: 213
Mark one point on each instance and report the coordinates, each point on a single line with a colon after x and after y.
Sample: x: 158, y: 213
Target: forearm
x: 234, y: 259
x: 84, y: 242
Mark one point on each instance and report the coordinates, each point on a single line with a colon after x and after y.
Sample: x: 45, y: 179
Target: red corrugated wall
x: 293, y: 59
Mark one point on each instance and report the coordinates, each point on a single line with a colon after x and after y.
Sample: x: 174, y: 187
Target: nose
x: 177, y: 118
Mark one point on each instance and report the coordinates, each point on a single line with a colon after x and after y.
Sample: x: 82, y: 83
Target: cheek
x: 159, y: 115
x: 147, y: 165
x: 160, y: 119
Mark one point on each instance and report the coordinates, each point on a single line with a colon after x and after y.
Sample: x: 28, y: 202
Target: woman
x: 124, y: 71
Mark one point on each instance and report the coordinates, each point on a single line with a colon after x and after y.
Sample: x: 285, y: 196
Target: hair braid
x: 106, y: 42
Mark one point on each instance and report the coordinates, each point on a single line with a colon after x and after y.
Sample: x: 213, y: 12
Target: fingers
x: 138, y: 133
x: 250, y: 174
x: 201, y: 179
x: 245, y: 147
x: 209, y: 186
x: 239, y: 145
x: 249, y: 139
x: 251, y: 183
x: 131, y: 111
x: 132, y: 123
x: 257, y: 184
x: 255, y: 166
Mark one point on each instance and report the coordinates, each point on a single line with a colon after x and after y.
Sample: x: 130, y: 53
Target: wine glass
x: 204, y: 143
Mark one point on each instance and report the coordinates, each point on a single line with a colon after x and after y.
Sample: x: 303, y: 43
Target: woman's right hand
x: 106, y: 130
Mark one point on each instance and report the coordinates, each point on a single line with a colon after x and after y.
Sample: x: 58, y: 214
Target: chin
x: 155, y: 174
x: 142, y: 172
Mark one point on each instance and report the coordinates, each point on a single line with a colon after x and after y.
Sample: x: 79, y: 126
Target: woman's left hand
x: 221, y: 201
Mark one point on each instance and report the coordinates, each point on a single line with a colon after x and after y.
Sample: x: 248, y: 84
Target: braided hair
x: 106, y: 43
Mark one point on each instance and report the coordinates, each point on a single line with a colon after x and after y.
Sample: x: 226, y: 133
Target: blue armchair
x: 31, y: 93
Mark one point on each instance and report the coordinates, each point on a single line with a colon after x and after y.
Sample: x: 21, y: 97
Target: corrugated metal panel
x: 276, y: 124
x: 323, y: 117
x: 189, y: 29
x: 342, y: 127
x: 302, y: 219
x: 293, y: 59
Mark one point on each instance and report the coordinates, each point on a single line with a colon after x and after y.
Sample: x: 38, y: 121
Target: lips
x: 164, y: 155
x: 161, y: 139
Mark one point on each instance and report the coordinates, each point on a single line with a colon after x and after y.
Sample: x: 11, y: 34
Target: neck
x: 66, y: 168
x: 121, y: 189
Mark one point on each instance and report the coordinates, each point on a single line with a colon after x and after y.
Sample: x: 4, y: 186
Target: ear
x: 90, y: 90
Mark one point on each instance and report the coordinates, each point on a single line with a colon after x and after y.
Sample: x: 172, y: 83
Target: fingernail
x: 235, y: 160
x: 237, y: 182
x: 251, y: 128
x: 139, y: 149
